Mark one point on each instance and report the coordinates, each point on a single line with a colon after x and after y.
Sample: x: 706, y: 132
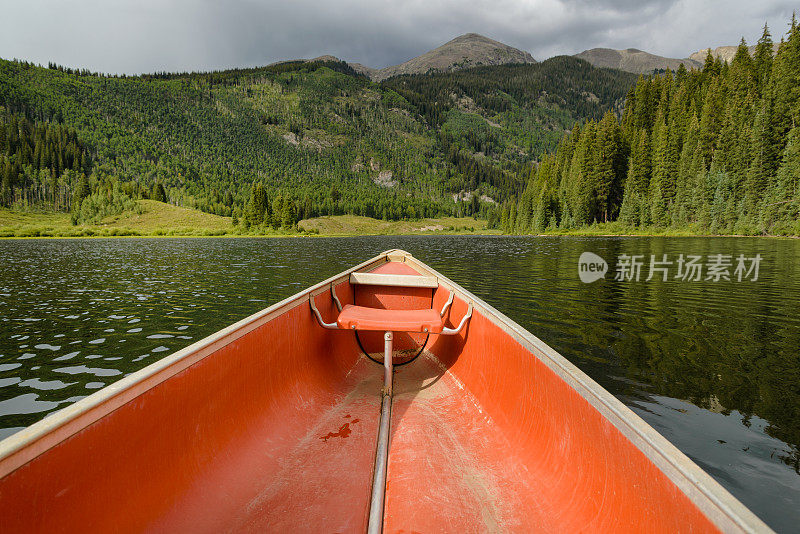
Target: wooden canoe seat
x: 396, y: 280
x: 363, y: 318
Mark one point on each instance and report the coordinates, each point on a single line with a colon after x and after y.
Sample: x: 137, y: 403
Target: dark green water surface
x: 713, y: 366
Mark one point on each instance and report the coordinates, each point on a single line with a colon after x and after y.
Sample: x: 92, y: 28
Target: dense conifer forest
x: 715, y: 151
x: 277, y: 144
x: 554, y: 146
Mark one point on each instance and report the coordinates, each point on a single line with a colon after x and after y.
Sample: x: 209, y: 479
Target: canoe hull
x: 271, y: 425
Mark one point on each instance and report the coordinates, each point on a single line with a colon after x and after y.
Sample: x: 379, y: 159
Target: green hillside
x: 711, y: 151
x: 321, y: 139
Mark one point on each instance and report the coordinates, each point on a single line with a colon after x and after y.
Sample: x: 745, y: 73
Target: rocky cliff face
x: 639, y: 62
x: 725, y: 52
x: 633, y: 60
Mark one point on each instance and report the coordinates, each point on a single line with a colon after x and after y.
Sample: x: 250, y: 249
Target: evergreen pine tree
x: 658, y: 194
x: 788, y: 183
x: 635, y: 210
x: 711, y: 66
x: 764, y: 153
x: 762, y: 59
x: 711, y: 118
x: 158, y: 193
x: 683, y: 207
x: 257, y: 205
x: 80, y: 191
x: 606, y: 182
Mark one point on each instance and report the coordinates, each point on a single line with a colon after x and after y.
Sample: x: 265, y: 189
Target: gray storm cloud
x: 134, y: 36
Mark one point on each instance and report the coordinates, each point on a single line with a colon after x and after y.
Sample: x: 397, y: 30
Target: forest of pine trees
x: 713, y: 151
x: 39, y: 162
x: 316, y: 135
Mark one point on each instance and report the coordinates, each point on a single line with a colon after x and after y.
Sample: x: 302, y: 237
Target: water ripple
x: 76, y: 315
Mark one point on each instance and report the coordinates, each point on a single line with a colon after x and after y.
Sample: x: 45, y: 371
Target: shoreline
x: 164, y: 221
x: 299, y: 235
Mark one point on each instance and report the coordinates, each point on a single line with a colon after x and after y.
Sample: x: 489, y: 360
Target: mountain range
x: 472, y: 50
x: 467, y: 120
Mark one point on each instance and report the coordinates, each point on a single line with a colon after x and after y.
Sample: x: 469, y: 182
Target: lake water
x: 712, y: 365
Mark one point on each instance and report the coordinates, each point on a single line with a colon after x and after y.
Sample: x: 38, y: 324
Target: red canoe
x: 281, y: 423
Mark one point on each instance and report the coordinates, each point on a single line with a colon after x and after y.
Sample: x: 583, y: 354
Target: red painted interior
x: 512, y: 447
x: 276, y: 432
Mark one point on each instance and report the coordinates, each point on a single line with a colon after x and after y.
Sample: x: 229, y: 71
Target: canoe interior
x: 275, y: 430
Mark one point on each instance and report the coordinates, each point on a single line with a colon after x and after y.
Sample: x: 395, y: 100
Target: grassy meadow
x: 160, y: 219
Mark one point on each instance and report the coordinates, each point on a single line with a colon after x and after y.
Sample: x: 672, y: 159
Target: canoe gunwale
x: 722, y: 508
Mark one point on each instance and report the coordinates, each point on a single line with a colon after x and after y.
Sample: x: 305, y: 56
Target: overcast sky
x: 135, y: 36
